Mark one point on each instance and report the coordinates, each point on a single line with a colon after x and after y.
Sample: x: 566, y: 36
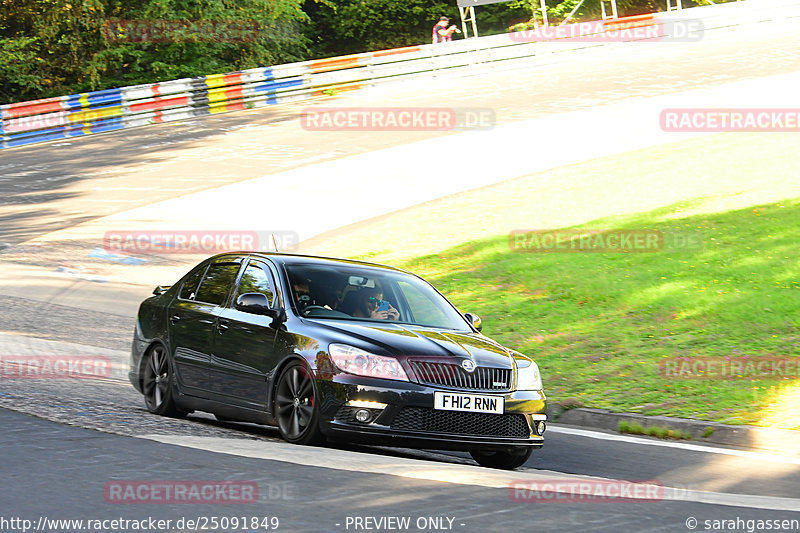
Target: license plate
x: 475, y: 403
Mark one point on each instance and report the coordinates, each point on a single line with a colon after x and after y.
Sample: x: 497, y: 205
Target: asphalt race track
x: 304, y: 498
x: 64, y: 441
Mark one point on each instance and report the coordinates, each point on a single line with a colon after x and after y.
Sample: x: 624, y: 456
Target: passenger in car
x: 369, y: 303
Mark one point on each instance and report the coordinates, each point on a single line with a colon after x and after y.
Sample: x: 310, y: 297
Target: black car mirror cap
x: 161, y: 289
x: 475, y: 320
x: 256, y: 304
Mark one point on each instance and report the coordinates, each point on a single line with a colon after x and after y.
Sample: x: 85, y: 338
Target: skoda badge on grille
x: 468, y: 364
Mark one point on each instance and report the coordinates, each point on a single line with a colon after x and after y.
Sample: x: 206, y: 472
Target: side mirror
x: 161, y: 289
x: 475, y: 320
x: 255, y: 303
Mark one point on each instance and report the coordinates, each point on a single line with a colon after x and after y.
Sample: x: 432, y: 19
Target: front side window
x: 217, y: 283
x: 255, y: 279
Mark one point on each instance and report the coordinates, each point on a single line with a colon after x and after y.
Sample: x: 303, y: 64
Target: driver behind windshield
x: 303, y: 298
x: 302, y: 295
x: 370, y: 304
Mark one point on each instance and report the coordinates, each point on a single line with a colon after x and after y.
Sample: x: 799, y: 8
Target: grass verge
x: 659, y: 432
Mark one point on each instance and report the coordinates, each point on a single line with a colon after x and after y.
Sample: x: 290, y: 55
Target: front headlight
x: 528, y: 376
x: 356, y: 361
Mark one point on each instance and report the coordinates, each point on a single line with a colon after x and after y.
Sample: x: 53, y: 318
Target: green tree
x: 190, y: 52
x: 48, y: 46
x: 54, y: 47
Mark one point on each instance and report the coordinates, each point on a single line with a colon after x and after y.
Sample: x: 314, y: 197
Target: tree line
x: 55, y: 47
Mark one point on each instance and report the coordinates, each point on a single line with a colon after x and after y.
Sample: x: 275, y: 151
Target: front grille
x: 460, y: 423
x: 454, y: 376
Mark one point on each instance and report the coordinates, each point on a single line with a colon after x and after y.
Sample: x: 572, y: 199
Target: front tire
x: 296, y: 405
x: 157, y: 378
x: 503, y: 460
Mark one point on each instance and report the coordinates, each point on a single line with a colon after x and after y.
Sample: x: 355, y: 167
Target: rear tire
x: 157, y: 384
x: 296, y: 406
x: 503, y: 460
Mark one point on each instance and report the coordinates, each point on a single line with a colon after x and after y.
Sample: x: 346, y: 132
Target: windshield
x: 373, y: 294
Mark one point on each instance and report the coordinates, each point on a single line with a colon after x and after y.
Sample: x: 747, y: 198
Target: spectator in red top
x: 441, y: 33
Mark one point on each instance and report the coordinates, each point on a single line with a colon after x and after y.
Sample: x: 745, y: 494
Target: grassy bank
x: 602, y: 325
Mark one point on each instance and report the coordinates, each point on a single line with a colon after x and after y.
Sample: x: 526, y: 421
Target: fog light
x: 362, y: 415
x: 541, y: 427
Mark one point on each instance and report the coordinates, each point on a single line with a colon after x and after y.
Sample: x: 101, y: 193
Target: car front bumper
x: 409, y: 417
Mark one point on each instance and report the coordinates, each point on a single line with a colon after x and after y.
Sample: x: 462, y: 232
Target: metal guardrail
x: 114, y: 109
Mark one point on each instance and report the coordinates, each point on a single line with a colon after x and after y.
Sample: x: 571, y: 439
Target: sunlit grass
x: 599, y: 324
x: 784, y: 407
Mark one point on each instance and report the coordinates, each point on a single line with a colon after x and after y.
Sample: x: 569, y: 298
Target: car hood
x: 419, y: 341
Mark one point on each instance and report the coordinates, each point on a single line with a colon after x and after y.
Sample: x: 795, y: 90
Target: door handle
x: 222, y: 326
x: 174, y: 319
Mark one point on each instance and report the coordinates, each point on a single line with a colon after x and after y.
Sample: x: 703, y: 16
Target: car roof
x: 296, y: 259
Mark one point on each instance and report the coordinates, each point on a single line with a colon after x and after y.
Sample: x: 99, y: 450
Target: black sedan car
x: 335, y: 349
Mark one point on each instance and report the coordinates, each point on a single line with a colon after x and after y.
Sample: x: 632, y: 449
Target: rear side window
x: 255, y: 279
x: 189, y: 289
x: 215, y: 286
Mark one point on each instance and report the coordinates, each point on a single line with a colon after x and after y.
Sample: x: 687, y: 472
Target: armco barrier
x: 113, y: 109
